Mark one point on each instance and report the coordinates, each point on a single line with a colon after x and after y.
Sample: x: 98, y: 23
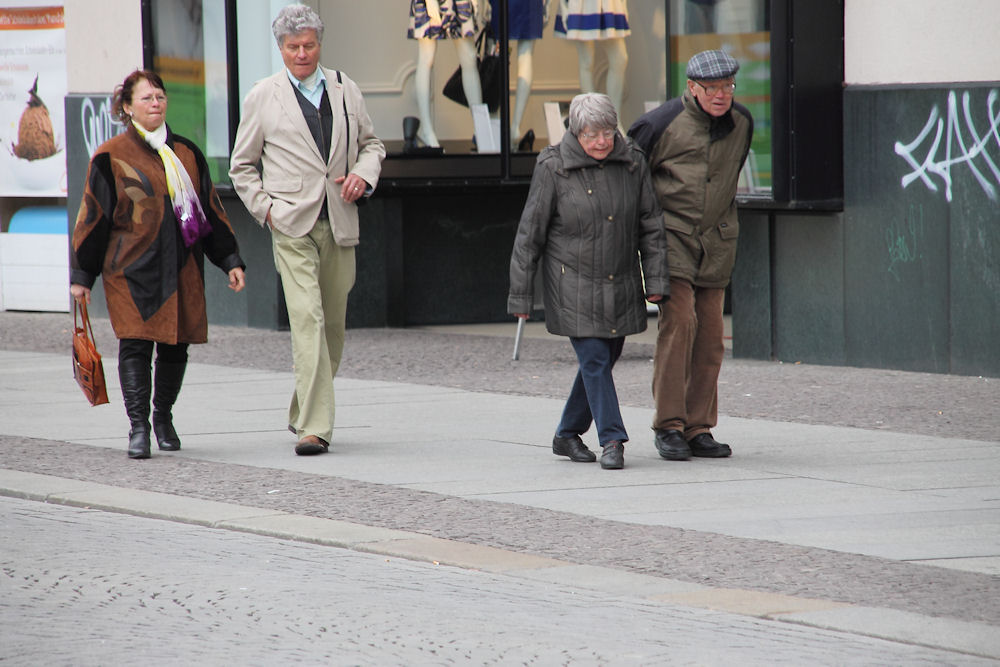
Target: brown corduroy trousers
x: 689, y: 351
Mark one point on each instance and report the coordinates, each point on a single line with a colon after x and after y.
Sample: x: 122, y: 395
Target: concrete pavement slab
x: 609, y: 580
x: 457, y: 554
x: 972, y: 638
x: 313, y: 529
x: 749, y: 603
x: 32, y: 486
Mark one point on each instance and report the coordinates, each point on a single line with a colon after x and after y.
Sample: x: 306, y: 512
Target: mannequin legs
x: 617, y: 55
x: 525, y: 75
x: 466, y: 49
x: 585, y: 60
x: 426, y: 48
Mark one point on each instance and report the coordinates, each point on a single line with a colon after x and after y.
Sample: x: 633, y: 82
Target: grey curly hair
x: 593, y: 110
x: 293, y: 19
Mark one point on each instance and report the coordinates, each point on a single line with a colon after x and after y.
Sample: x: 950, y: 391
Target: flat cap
x: 709, y: 65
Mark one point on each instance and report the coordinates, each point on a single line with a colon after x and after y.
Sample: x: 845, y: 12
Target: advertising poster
x: 32, y: 90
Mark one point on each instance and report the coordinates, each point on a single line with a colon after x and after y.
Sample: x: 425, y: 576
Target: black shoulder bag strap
x: 362, y: 200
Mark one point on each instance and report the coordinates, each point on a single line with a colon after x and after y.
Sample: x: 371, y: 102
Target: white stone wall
x: 921, y: 41
x: 103, y: 43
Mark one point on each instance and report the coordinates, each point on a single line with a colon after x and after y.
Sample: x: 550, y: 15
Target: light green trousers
x: 316, y: 276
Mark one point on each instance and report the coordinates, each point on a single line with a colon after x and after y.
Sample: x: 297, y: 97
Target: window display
x: 587, y: 23
x: 189, y: 54
x: 526, y: 20
x: 431, y: 21
x: 740, y: 28
x: 633, y: 50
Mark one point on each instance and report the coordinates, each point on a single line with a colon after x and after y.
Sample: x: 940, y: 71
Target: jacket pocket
x: 729, y: 230
x: 282, y: 184
x: 679, y: 226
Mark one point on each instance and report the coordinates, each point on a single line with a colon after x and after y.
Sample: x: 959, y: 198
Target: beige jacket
x: 293, y: 178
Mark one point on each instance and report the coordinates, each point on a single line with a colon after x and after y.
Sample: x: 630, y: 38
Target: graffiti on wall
x: 904, y: 240
x: 97, y: 123
x: 958, y: 140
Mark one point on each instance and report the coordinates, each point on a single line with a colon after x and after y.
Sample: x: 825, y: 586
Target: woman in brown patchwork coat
x: 149, y: 217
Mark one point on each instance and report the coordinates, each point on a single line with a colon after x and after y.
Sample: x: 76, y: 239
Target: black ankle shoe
x: 672, y: 446
x: 613, y: 456
x: 166, y: 437
x: 527, y: 142
x: 574, y: 448
x: 138, y: 442
x: 705, y: 445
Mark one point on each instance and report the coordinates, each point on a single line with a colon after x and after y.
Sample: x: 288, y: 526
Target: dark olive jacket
x: 695, y: 161
x: 590, y: 221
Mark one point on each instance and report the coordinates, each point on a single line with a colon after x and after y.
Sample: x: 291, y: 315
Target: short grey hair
x: 593, y: 110
x: 293, y: 19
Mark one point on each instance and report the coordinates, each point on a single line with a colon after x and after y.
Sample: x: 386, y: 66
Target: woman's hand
x: 237, y: 279
x: 80, y: 294
x: 654, y: 298
x: 521, y: 316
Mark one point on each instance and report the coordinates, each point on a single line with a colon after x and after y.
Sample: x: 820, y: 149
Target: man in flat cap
x: 696, y: 145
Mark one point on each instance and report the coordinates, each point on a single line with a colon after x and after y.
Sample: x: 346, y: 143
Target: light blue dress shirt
x: 317, y: 79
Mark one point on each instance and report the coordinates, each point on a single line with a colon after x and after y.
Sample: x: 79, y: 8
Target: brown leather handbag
x: 88, y: 369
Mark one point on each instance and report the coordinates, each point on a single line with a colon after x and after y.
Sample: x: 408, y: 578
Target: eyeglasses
x: 148, y: 99
x: 712, y: 91
x: 607, y: 135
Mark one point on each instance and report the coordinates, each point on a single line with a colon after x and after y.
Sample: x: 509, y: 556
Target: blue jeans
x: 593, y: 397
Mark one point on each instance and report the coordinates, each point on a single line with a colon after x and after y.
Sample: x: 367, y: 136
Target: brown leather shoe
x: 311, y: 445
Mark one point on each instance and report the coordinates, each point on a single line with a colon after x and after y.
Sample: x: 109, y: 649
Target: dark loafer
x: 613, y: 456
x: 311, y: 445
x: 705, y: 445
x: 574, y: 448
x: 672, y: 446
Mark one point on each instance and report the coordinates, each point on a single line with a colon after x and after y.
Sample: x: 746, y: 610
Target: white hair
x: 293, y: 19
x: 593, y: 110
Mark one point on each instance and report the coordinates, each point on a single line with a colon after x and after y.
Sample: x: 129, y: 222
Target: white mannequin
x: 426, y: 49
x: 525, y: 75
x: 617, y: 54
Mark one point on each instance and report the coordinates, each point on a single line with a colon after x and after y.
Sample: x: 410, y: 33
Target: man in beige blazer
x: 308, y: 128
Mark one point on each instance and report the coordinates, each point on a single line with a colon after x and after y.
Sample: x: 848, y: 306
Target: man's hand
x: 352, y: 187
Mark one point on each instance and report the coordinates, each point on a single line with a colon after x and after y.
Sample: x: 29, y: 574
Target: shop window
x: 187, y: 46
x: 210, y: 52
x: 740, y: 28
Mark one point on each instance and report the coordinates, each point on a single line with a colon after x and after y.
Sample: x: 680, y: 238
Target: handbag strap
x: 81, y: 308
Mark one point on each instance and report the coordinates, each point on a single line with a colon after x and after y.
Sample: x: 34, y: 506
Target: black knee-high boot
x: 166, y: 384
x: 134, y: 374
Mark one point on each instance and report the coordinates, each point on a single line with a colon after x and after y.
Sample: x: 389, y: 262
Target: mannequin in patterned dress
x: 433, y: 20
x: 600, y: 22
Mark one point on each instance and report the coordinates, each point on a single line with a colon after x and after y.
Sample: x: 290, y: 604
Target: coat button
x: 610, y: 218
x: 590, y: 192
x: 611, y: 277
x: 614, y: 331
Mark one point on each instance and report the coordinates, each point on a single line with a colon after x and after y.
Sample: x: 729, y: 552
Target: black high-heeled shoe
x: 527, y: 142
